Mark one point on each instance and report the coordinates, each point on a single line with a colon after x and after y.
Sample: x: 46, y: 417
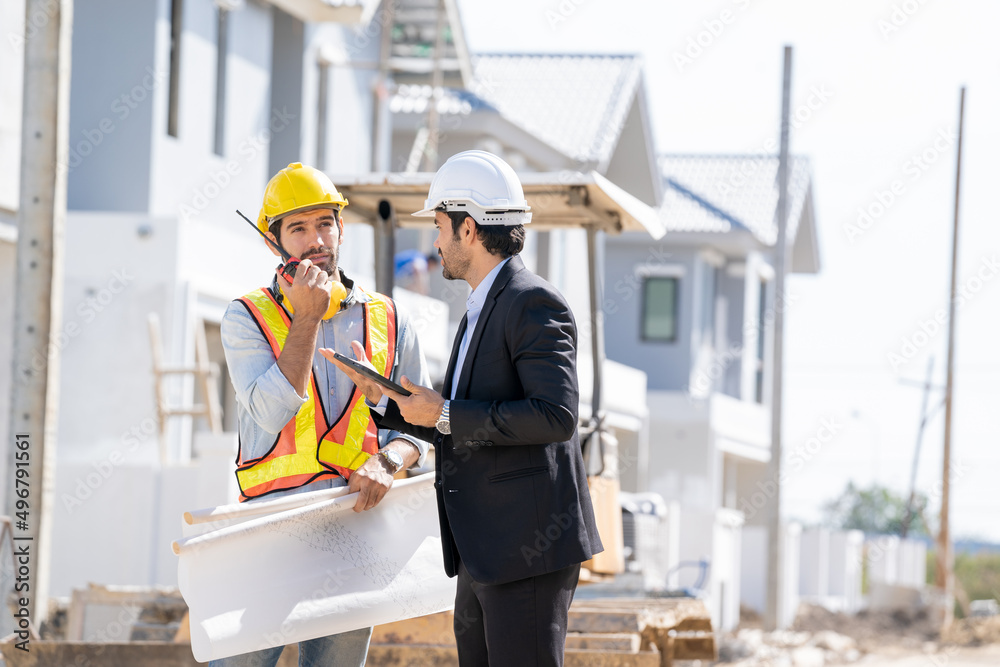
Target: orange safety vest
x: 308, y: 448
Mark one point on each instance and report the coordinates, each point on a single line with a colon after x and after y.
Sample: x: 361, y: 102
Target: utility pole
x: 924, y: 418
x: 38, y: 291
x: 775, y: 534
x: 944, y: 561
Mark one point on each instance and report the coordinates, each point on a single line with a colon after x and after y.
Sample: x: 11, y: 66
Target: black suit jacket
x: 511, y: 485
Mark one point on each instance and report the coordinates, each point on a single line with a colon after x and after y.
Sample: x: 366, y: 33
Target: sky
x: 875, y: 86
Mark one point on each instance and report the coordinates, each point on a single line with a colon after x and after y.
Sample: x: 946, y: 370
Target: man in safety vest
x: 304, y: 426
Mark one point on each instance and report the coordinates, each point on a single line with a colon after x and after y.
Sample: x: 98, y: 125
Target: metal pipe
x: 385, y: 248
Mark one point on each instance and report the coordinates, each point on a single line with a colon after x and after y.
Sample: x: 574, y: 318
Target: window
x: 222, y: 56
x: 659, y: 312
x: 176, y: 23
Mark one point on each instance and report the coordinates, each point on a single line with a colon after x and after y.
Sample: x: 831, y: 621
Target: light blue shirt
x: 474, y: 305
x: 266, y: 401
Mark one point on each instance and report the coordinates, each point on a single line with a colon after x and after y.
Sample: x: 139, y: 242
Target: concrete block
x: 888, y: 597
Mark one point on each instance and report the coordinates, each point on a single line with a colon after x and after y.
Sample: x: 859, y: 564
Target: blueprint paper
x: 314, y: 571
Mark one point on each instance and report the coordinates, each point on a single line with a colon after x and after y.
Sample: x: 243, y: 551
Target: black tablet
x: 371, y: 374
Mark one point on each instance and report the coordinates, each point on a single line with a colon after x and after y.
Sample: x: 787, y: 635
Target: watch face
x: 394, y: 459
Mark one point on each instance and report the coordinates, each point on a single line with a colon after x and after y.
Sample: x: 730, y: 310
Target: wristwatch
x: 392, y: 458
x: 444, y: 421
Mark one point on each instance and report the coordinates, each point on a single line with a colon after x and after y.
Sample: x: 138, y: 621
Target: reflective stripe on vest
x: 308, y: 448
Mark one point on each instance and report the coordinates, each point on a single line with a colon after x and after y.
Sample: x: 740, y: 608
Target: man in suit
x: 516, y: 516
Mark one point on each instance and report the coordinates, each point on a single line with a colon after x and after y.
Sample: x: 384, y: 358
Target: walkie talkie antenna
x: 285, y: 255
x: 291, y: 263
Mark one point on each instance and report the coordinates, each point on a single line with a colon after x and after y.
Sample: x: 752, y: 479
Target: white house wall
x: 119, y: 268
x: 350, y: 121
x: 112, y: 101
x: 682, y: 463
x: 12, y: 74
x: 633, y: 165
x: 188, y: 178
x: 666, y: 363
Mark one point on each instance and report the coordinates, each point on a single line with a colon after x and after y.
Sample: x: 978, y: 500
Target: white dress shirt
x: 474, y: 305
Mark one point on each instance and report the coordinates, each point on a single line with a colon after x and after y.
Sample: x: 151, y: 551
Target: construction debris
x: 752, y: 647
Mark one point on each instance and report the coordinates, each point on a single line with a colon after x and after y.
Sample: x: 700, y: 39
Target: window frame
x: 673, y: 279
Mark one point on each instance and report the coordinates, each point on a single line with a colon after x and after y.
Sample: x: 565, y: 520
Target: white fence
x: 897, y: 561
x: 830, y: 568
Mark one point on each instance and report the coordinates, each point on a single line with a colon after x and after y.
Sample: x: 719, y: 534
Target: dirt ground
x: 943, y: 656
x: 820, y: 638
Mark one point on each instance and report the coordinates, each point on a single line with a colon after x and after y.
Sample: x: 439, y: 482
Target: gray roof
x: 720, y: 193
x: 451, y: 101
x: 575, y: 103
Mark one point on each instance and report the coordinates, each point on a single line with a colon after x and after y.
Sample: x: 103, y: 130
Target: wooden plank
x: 597, y: 620
x: 611, y: 641
x: 608, y: 515
x: 434, y: 629
x: 694, y: 648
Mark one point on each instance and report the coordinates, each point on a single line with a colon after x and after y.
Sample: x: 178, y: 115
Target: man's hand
x: 372, y: 480
x: 309, y: 294
x: 422, y: 407
x: 370, y: 388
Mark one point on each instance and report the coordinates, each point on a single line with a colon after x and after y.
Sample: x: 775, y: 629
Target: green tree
x: 876, y: 509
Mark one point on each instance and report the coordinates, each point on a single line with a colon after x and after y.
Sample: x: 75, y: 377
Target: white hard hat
x: 481, y: 184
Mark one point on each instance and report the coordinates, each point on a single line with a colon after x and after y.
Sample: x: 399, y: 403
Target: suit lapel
x: 446, y: 389
x: 513, y: 266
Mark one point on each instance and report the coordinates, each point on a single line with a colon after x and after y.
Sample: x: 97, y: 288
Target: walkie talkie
x: 291, y: 263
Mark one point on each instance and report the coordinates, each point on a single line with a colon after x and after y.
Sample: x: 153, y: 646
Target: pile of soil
x: 973, y: 631
x: 870, y: 629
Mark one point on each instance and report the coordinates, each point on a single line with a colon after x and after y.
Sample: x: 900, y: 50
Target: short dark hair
x: 502, y: 240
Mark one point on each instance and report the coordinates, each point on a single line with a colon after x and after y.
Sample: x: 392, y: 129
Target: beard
x: 328, y: 263
x: 457, y: 265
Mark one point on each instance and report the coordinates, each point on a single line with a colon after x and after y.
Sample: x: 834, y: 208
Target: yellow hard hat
x: 296, y: 188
